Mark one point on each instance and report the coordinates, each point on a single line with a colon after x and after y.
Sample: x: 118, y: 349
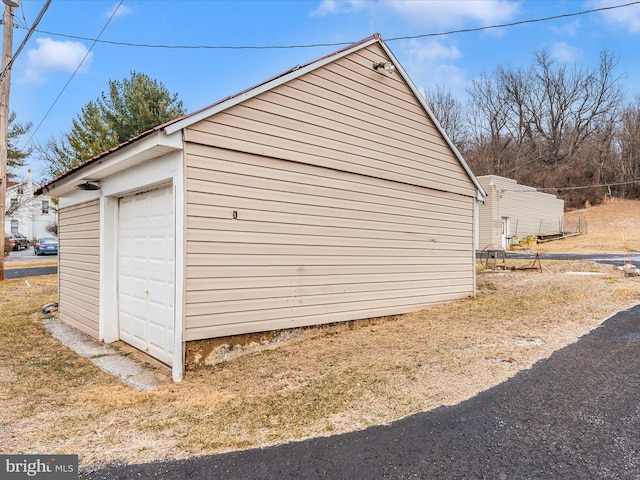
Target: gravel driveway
x: 575, y: 415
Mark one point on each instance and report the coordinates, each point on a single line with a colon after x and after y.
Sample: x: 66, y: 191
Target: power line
x: 561, y: 189
x: 24, y: 19
x: 73, y: 74
x: 25, y: 39
x: 196, y: 47
x: 583, y: 187
x: 513, y: 24
x: 338, y: 44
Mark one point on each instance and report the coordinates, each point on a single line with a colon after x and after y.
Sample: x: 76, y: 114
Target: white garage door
x: 146, y: 272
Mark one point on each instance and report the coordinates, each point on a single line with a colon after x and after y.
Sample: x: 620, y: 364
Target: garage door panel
x: 139, y: 328
x: 159, y: 293
x: 157, y: 249
x: 146, y: 272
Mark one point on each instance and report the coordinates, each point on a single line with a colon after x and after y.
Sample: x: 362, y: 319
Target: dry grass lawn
x: 33, y: 263
x: 56, y: 402
x: 606, y: 229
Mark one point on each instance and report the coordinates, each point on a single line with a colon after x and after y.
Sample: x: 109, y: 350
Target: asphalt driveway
x: 15, y: 259
x: 575, y: 415
x: 618, y: 259
x: 11, y: 273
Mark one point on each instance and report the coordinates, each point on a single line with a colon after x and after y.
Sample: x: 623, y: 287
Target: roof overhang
x: 150, y: 145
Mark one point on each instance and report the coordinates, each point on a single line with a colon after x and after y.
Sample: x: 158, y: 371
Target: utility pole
x: 5, y: 85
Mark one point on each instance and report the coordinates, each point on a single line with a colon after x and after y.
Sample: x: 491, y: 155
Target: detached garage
x: 328, y: 193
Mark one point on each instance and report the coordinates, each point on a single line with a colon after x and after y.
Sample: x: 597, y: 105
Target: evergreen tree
x: 130, y: 107
x: 137, y: 104
x: 15, y: 156
x: 91, y: 134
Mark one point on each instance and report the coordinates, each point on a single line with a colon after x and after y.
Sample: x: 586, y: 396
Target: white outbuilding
x: 513, y: 212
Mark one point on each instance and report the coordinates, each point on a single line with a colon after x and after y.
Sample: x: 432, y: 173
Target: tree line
x: 560, y: 127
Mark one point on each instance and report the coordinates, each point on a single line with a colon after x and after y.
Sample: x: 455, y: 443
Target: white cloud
x: 54, y: 56
x: 331, y: 7
x: 565, y: 53
x: 626, y: 17
x: 430, y: 63
x: 431, y: 51
x: 428, y: 13
x: 445, y: 13
x: 121, y: 11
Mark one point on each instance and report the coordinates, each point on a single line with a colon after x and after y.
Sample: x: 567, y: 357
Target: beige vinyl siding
x: 530, y: 212
x: 79, y: 256
x: 344, y: 116
x: 312, y: 245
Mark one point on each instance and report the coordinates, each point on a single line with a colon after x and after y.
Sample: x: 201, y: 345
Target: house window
x: 14, y: 226
x: 13, y: 206
x: 20, y: 190
x: 45, y: 206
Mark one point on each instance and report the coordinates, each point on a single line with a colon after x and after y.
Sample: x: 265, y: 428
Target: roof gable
x: 284, y: 78
x: 342, y: 114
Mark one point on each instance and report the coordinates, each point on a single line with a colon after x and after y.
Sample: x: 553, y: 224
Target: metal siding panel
x: 298, y: 254
x: 314, y: 277
x: 316, y: 316
x: 531, y: 212
x: 78, y: 267
x: 335, y: 119
x: 387, y: 155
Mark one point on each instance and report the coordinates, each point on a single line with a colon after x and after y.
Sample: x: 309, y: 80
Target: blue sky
x: 202, y: 76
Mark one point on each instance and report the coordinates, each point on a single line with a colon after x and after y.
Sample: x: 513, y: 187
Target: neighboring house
x: 512, y: 213
x: 28, y: 214
x: 328, y: 193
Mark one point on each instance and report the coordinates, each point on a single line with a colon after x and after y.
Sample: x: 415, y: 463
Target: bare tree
x: 628, y: 144
x: 450, y: 114
x: 551, y: 124
x: 576, y: 103
x: 488, y: 115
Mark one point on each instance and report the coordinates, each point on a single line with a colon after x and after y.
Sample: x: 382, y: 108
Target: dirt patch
x: 212, y: 351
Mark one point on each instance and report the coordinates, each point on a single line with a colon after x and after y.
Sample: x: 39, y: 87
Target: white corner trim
x: 177, y: 364
x: 108, y: 327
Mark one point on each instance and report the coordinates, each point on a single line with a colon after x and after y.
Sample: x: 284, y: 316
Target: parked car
x: 18, y: 241
x: 45, y: 246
